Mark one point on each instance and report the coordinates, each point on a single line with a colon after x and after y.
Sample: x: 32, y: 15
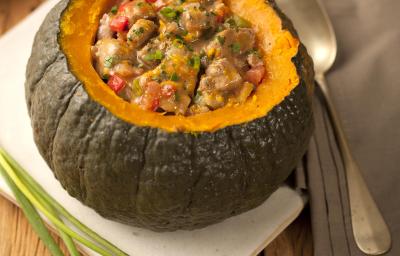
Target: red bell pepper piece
x: 119, y: 24
x: 220, y: 18
x: 155, y: 104
x: 116, y: 83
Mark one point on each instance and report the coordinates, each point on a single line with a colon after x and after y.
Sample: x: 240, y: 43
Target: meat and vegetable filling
x: 177, y: 57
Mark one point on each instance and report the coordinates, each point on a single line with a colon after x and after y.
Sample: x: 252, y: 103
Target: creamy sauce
x: 178, y: 57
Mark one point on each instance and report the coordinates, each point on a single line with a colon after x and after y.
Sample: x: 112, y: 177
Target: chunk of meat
x: 254, y: 60
x: 232, y: 44
x: 140, y: 32
x: 221, y: 75
x: 205, y: 3
x: 174, y: 99
x: 220, y: 80
x: 168, y: 28
x: 159, y: 4
x: 126, y: 70
x: 255, y: 75
x: 135, y: 10
x: 109, y: 52
x: 196, y: 20
x: 104, y: 28
x: 219, y: 9
x: 150, y: 100
x: 162, y: 3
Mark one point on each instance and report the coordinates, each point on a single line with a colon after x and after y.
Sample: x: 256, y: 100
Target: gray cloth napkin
x: 365, y: 84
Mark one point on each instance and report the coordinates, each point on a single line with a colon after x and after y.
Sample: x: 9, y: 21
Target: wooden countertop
x: 16, y: 235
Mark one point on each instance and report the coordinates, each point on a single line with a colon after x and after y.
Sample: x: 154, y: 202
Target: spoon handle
x: 369, y: 228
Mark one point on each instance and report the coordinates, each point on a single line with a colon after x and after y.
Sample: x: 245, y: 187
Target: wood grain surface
x: 17, y: 237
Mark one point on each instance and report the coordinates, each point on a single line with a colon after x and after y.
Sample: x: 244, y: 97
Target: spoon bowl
x: 315, y: 29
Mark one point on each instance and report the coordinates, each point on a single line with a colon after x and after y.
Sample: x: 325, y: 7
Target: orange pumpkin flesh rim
x: 78, y: 27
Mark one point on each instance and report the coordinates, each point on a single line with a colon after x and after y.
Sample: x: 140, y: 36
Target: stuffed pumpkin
x: 170, y: 114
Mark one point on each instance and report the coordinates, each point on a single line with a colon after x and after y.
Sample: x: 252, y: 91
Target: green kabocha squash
x: 166, y: 172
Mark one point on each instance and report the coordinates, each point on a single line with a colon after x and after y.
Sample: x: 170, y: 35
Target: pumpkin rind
x: 146, y: 176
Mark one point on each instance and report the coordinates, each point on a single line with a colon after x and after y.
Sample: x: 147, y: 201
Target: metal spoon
x: 316, y: 32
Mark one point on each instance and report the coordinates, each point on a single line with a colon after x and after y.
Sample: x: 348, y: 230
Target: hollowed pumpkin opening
x: 79, y: 25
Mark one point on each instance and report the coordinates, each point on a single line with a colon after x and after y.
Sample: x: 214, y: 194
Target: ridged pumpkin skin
x: 146, y: 176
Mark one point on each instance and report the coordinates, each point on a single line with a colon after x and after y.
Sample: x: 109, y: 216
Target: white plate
x: 246, y: 234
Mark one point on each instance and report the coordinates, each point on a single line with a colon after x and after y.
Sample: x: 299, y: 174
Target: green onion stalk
x: 33, y: 199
